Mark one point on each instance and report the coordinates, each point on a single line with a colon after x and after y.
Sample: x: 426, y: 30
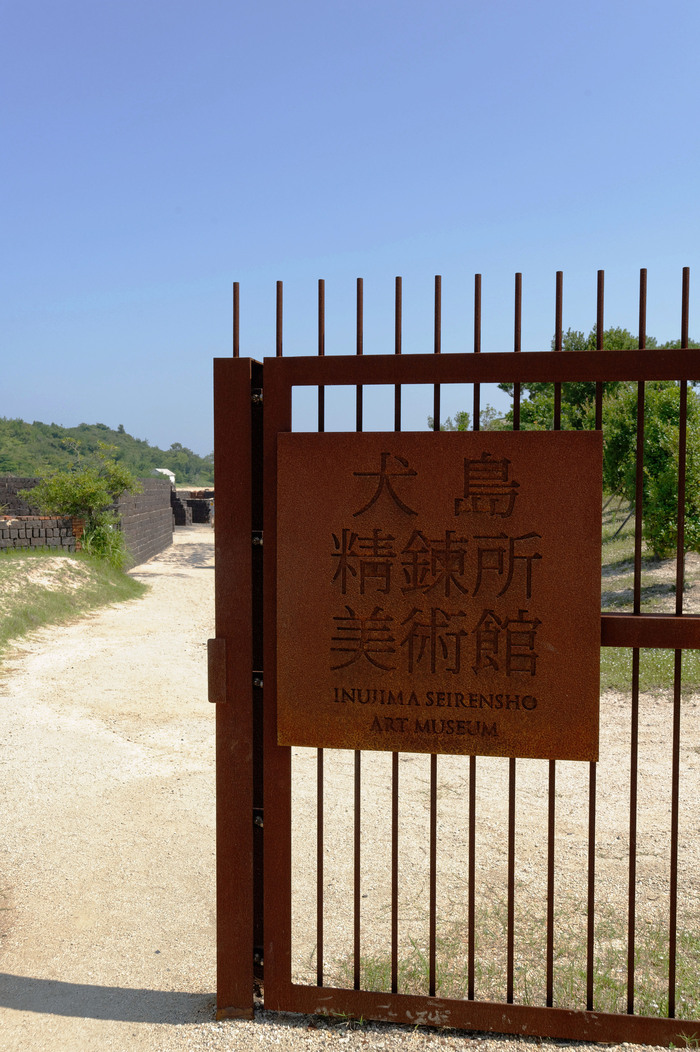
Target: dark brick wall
x: 10, y: 503
x: 146, y: 520
x: 29, y: 531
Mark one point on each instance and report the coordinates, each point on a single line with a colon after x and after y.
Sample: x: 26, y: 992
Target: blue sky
x: 155, y: 152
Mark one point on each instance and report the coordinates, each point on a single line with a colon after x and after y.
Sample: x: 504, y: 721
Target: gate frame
x: 233, y: 667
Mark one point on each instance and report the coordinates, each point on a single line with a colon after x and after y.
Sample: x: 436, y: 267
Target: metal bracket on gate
x: 258, y: 538
x: 256, y: 396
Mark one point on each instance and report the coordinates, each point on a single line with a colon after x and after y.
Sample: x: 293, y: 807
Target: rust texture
x: 238, y: 660
x: 440, y: 593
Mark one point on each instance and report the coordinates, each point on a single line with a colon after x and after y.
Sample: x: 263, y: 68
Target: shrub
x: 87, y: 493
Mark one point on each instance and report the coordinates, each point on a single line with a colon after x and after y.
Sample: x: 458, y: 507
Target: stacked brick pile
x: 182, y: 511
x: 29, y: 531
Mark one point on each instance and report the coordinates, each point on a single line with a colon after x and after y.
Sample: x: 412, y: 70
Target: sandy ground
x: 107, y: 798
x: 107, y: 926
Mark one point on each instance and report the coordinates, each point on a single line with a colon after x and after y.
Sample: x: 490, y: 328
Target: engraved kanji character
x: 520, y: 634
x: 372, y: 555
x: 488, y: 630
x: 375, y: 563
x: 344, y: 553
x: 520, y: 643
x: 501, y: 558
x: 360, y: 636
x: 431, y: 636
x: 384, y: 477
x: 433, y: 563
x: 486, y: 487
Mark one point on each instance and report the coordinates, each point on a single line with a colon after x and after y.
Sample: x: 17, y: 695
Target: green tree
x: 662, y: 401
x: 577, y: 397
x: 88, y: 492
x: 489, y: 420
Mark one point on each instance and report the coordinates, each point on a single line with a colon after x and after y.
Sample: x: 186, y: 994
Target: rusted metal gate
x: 257, y: 798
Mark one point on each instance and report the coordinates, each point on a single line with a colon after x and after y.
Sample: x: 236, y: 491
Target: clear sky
x: 153, y: 152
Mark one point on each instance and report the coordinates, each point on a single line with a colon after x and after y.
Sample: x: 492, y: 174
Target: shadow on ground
x: 126, y: 1004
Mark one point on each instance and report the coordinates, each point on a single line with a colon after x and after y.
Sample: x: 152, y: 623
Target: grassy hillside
x: 37, y: 449
x: 41, y: 588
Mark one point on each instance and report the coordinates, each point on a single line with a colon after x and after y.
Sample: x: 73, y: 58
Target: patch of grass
x: 40, y: 588
x: 655, y: 666
x: 655, y: 669
x: 569, y: 990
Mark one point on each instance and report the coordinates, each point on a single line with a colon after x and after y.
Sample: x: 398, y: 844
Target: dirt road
x: 107, y: 925
x: 107, y: 798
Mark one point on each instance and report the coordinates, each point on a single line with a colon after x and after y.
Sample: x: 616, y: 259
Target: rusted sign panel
x: 440, y: 592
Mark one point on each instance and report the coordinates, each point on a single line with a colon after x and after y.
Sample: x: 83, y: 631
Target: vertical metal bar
x: 278, y: 321
x: 558, y: 343
x: 398, y: 297
x: 472, y: 878
x: 320, y: 876
x: 551, y: 829
x: 471, y: 904
x: 677, y: 680
x: 592, y: 771
x: 236, y: 320
x: 394, y: 872
x: 357, y: 871
x: 395, y: 756
x: 357, y: 897
x: 319, y: 867
x: 321, y: 350
x: 599, y: 330
x: 236, y: 758
x: 437, y: 347
x: 477, y: 348
x: 433, y: 874
x: 590, y: 954
x: 552, y: 786
x: 510, y: 938
x: 359, y: 329
x: 637, y: 604
x: 517, y: 346
x: 278, y: 766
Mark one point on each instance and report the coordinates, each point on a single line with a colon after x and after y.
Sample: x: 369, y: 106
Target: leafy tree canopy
x: 661, y: 419
x: 577, y: 397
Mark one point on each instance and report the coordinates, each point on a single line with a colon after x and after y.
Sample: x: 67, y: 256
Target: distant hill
x: 37, y: 449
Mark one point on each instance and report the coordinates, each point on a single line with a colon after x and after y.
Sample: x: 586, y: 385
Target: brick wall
x: 32, y: 531
x: 146, y: 520
x: 10, y: 502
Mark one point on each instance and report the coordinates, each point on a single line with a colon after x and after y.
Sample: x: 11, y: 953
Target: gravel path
x: 107, y: 927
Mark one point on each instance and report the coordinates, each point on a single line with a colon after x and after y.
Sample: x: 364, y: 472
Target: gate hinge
x: 258, y: 538
x: 258, y: 817
x: 216, y: 665
x: 256, y: 396
x: 257, y: 679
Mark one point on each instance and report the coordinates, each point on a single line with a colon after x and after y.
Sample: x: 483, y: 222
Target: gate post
x: 235, y: 681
